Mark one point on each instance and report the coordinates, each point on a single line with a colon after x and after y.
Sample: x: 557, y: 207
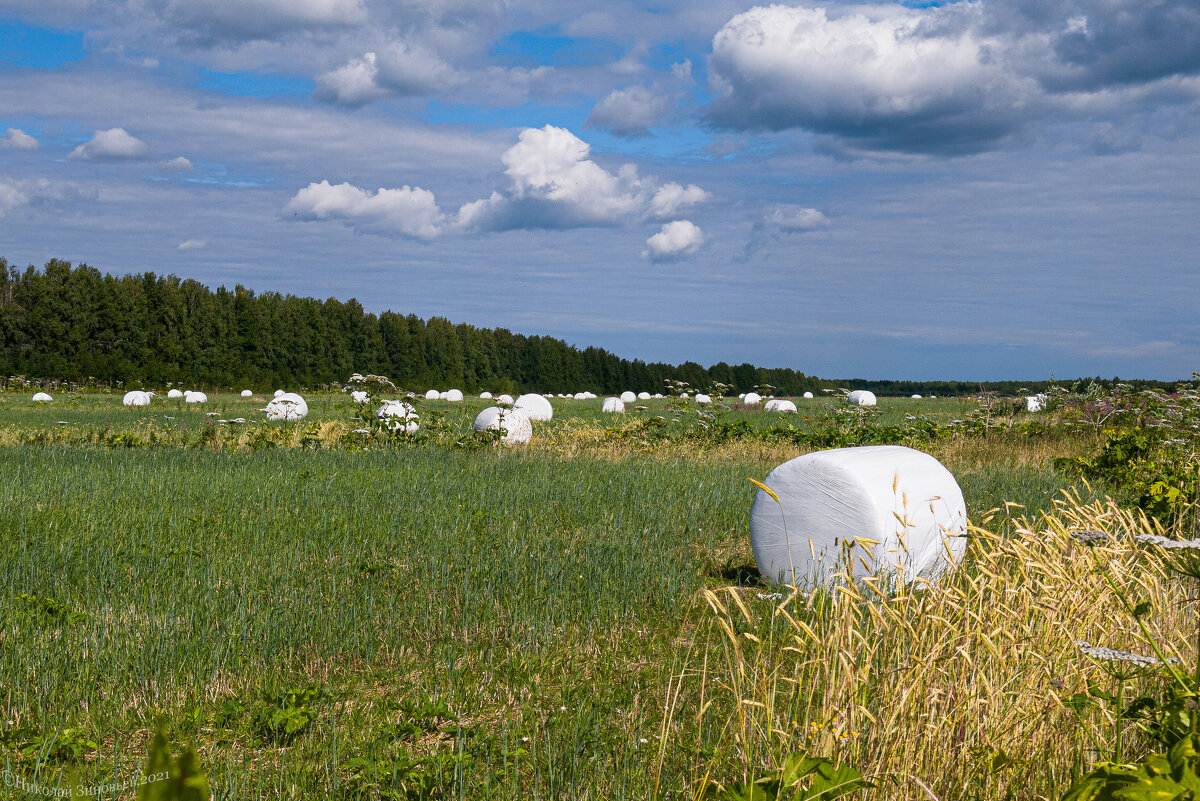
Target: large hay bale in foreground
x: 136, y: 398
x: 288, y: 406
x: 534, y: 406
x: 515, y: 425
x: 779, y: 405
x: 894, y: 510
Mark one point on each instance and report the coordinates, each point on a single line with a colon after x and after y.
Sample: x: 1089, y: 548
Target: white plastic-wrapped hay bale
x: 431, y: 395
x: 643, y: 396
x: 658, y: 395
x: 136, y: 398
x: 535, y: 407
x: 42, y: 397
x: 628, y: 397
x: 808, y: 396
x: 778, y: 405
x: 172, y: 394
x: 751, y: 398
x: 861, y: 397
x: 1035, y: 403
x: 916, y: 397
x: 580, y: 396
x: 505, y: 398
x: 194, y: 397
x: 896, y: 510
x: 454, y: 395
x: 612, y: 405
x: 702, y: 398
x: 288, y: 406
x: 400, y: 414
x: 359, y: 396
x: 515, y: 425
x: 247, y: 393
x: 741, y: 396
x: 485, y: 395
x: 279, y: 392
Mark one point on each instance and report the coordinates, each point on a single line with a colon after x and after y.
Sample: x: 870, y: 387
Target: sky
x: 997, y: 189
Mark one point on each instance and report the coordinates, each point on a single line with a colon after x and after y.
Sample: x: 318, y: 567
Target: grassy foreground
x: 576, y: 620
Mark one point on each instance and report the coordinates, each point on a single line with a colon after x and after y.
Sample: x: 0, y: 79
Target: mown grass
x: 534, y: 623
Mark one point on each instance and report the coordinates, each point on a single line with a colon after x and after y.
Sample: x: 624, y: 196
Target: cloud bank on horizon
x: 968, y: 189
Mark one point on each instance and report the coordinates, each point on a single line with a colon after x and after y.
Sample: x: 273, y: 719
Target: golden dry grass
x: 924, y: 685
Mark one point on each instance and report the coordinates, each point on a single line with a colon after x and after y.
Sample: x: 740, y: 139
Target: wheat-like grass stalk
x: 930, y: 680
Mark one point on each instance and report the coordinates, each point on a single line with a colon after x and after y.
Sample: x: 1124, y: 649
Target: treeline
x: 77, y: 324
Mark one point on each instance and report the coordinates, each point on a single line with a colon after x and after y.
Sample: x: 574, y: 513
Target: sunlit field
x: 324, y: 609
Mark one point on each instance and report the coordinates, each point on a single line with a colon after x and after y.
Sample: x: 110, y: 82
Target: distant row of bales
x: 514, y: 417
x: 284, y: 406
x: 610, y: 404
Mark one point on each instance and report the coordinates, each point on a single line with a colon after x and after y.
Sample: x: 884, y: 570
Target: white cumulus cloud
x: 16, y: 138
x: 953, y: 77
x: 630, y: 112
x: 400, y: 69
x: 352, y: 84
x: 180, y: 163
x: 191, y: 244
x: 793, y: 219
x: 11, y: 196
x: 114, y: 144
x: 408, y: 211
x: 675, y: 240
x: 671, y: 197
x: 881, y: 73
x: 553, y: 183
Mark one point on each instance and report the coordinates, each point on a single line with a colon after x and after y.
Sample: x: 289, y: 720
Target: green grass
x: 545, y: 601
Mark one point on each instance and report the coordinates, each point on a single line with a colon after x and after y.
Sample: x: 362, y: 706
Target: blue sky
x: 974, y: 190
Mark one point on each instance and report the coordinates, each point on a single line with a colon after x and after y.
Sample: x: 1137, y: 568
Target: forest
x: 75, y: 324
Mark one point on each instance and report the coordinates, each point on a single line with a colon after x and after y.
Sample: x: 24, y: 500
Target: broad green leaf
x: 1174, y: 776
x: 832, y: 781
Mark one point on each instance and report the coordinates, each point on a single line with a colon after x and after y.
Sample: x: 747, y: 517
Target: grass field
x: 325, y: 614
